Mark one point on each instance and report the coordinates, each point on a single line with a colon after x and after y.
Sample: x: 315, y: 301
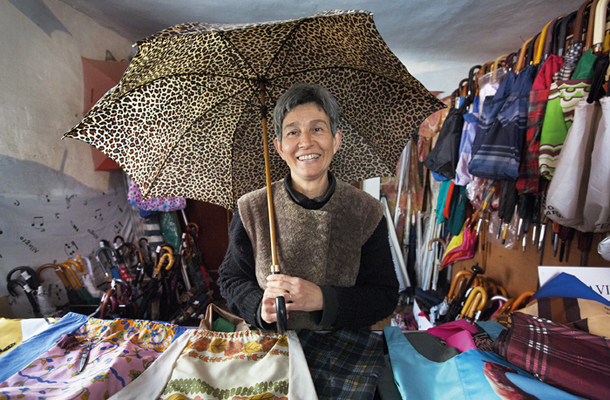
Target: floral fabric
x: 234, y: 365
x: 121, y: 350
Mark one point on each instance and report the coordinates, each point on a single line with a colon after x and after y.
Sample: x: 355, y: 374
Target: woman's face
x: 307, y: 143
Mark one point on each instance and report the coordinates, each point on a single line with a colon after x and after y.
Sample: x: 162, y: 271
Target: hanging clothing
x: 469, y: 131
x: 498, y: 144
x: 559, y: 116
x: 529, y: 170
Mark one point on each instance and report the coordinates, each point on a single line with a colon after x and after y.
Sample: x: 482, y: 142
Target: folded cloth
x: 473, y: 374
x: 458, y: 334
x: 569, y: 359
x: 18, y: 358
x: 100, y: 358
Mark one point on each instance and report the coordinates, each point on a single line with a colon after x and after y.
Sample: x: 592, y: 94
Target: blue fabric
x: 469, y: 132
x: 496, y: 150
x: 34, y: 347
x: 473, y: 374
x: 492, y: 328
x: 567, y: 285
x: 438, y: 177
x: 440, y: 202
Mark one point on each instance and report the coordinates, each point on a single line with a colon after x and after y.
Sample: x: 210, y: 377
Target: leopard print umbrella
x: 185, y: 119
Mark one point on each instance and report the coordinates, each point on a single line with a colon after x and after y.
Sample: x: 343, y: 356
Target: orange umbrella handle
x: 42, y: 268
x: 521, y: 300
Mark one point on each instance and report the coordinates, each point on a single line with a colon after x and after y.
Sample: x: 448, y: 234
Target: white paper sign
x: 597, y: 278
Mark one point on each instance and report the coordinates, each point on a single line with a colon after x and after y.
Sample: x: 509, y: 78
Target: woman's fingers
x: 299, y: 293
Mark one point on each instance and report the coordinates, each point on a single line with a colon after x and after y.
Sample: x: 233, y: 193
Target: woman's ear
x: 278, y: 147
x: 337, y: 139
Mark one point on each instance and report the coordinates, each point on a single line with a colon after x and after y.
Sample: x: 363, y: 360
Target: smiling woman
x: 307, y: 144
x: 338, y: 273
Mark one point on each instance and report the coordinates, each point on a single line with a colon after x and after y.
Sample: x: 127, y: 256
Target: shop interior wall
x: 517, y: 271
x: 42, y: 96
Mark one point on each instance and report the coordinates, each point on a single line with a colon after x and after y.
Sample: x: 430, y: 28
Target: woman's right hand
x: 268, y: 311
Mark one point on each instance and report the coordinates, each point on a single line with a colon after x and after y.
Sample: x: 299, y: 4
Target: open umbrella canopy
x: 185, y: 119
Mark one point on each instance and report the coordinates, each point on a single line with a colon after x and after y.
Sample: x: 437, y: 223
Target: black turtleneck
x: 304, y: 201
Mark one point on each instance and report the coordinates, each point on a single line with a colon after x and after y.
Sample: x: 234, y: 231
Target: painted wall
x: 52, y: 202
x: 42, y: 90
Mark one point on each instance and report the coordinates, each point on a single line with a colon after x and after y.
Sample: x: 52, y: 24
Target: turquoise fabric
x: 473, y: 374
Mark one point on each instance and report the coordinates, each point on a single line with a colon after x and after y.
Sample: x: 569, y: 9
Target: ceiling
x: 438, y: 41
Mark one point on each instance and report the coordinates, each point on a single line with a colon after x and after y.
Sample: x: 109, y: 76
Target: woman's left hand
x: 300, y: 294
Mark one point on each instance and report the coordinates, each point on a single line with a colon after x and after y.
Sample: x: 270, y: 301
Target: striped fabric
x: 529, y: 170
x: 559, y: 116
x: 570, y: 60
x: 496, y: 150
x: 344, y: 364
x: 569, y: 359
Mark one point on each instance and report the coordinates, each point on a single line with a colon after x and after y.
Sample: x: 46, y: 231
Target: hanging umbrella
x: 189, y: 117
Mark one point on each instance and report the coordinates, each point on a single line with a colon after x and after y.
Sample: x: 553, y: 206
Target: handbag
x: 566, y: 193
x: 597, y: 202
x: 227, y: 365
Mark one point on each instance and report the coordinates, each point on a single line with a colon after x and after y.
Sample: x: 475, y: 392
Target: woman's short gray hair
x: 303, y: 93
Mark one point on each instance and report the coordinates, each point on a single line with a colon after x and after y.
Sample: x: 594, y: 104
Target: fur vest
x: 322, y: 246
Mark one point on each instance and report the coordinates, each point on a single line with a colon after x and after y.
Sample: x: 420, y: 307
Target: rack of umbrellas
x: 515, y: 158
x: 123, y: 280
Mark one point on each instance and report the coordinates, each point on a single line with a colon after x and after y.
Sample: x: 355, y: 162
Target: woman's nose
x: 305, y: 140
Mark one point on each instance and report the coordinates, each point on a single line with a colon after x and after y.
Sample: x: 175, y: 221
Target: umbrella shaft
x: 275, y: 267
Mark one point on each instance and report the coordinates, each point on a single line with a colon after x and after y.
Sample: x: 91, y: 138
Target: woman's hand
x: 300, y: 295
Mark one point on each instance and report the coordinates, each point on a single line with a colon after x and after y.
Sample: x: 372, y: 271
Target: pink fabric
x: 121, y: 350
x: 456, y: 334
x: 164, y: 204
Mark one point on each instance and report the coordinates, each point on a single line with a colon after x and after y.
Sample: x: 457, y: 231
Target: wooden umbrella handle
x: 275, y: 267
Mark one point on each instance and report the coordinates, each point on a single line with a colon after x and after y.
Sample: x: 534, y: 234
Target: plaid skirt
x: 344, y: 364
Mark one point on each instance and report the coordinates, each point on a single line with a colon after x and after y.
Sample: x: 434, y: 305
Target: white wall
x: 42, y: 91
x: 52, y: 202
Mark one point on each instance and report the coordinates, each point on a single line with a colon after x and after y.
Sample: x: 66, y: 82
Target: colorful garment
x: 164, y: 204
x: 529, y: 170
x: 469, y: 131
x: 204, y: 364
x: 559, y: 116
x: 120, y: 351
x: 473, y: 374
x: 497, y: 148
x: 32, y: 348
x: 570, y: 60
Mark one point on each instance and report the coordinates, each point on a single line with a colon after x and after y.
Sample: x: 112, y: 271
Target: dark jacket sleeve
x: 375, y: 294
x: 237, y: 277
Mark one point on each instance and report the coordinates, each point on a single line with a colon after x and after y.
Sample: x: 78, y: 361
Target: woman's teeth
x: 308, y: 157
